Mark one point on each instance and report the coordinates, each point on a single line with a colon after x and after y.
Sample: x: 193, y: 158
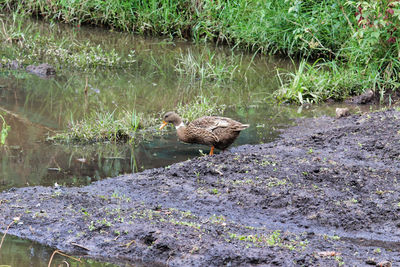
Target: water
x: 36, y: 107
x: 16, y: 252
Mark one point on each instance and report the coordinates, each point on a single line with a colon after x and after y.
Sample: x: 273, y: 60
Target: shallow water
x: 36, y: 107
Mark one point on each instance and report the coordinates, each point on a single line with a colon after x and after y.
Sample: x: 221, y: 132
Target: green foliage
x: 313, y: 83
x: 105, y: 126
x: 293, y: 27
x: 4, y: 131
x: 367, y: 58
x: 207, y: 66
x: 361, y: 37
x: 202, y: 106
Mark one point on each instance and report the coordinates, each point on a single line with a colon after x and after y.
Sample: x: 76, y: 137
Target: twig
x: 62, y: 254
x: 5, y: 233
x: 85, y: 90
x: 79, y: 246
x: 347, y: 18
x: 24, y: 120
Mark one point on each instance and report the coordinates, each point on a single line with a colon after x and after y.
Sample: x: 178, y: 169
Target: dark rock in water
x: 42, y: 70
x: 362, y: 99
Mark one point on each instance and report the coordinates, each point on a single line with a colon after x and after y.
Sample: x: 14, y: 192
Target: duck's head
x: 171, y: 117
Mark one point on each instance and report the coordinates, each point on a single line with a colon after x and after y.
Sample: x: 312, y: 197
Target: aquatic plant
x: 104, y: 126
x: 202, y: 106
x: 33, y: 46
x: 207, y: 66
x: 4, y: 131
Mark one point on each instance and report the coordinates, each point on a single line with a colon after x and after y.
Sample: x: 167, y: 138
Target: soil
x: 327, y: 193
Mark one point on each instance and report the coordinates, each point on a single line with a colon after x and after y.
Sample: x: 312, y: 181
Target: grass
x: 104, y: 126
x: 313, y: 83
x: 31, y: 46
x: 357, y: 39
x: 286, y: 26
x: 202, y: 106
x: 207, y: 66
x: 126, y: 126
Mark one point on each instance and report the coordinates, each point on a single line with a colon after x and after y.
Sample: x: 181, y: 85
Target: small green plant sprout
x: 377, y: 251
x: 92, y: 227
x: 214, y: 191
x: 310, y: 151
x: 4, y: 131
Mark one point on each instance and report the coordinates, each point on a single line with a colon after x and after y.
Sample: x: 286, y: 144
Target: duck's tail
x: 242, y: 127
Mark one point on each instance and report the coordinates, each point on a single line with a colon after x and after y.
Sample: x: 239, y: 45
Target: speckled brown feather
x: 219, y: 132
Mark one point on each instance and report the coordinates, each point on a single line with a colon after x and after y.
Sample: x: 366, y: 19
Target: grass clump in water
x: 104, y: 126
x: 33, y: 46
x: 207, y: 66
x: 202, y: 106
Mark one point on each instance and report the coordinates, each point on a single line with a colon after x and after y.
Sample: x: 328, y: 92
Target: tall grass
x: 361, y: 37
x: 290, y: 27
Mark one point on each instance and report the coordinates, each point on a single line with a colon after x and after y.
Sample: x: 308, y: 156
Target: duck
x: 217, y: 132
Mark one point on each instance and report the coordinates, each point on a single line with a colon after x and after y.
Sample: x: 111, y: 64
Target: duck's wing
x: 211, y: 123
x: 219, y: 123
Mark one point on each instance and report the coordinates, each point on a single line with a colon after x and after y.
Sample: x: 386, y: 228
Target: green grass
x: 127, y: 126
x: 202, y: 106
x: 313, y: 83
x: 29, y: 47
x: 358, y: 38
x: 291, y: 27
x: 104, y: 126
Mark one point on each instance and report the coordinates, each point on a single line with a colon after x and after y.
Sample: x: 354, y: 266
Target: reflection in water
x: 17, y: 252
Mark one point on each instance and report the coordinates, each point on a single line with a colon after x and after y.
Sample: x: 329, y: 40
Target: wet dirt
x: 325, y: 194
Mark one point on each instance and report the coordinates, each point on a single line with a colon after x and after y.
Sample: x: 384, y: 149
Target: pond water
x: 164, y: 74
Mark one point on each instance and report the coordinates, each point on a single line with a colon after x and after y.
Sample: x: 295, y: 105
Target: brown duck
x: 217, y: 132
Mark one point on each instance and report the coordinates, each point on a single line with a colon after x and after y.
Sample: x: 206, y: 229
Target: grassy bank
x: 357, y: 40
x: 289, y: 27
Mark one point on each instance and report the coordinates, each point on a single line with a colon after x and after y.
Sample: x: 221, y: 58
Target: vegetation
x: 124, y: 126
x: 4, y: 131
x: 355, y: 44
x: 358, y: 40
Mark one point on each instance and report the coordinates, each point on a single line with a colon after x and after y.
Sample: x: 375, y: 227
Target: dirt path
x: 325, y: 194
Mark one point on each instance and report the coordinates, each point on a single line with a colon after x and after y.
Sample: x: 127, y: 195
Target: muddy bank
x: 325, y: 194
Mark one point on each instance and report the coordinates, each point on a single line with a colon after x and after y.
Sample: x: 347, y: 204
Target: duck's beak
x: 163, y: 125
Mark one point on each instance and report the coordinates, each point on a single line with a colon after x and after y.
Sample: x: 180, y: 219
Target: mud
x: 325, y: 194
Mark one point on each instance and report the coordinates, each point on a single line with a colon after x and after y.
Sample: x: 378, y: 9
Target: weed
x: 4, y: 131
x: 214, y: 191
x: 202, y: 106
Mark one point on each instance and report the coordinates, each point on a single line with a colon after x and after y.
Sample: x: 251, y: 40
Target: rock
x: 371, y: 262
x: 362, y: 99
x: 384, y: 264
x: 42, y: 70
x: 342, y: 112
